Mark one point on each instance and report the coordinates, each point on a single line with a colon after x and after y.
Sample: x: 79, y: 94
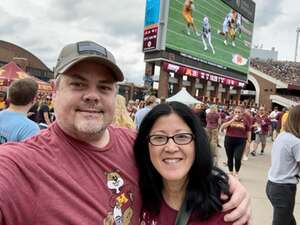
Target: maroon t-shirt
x: 264, y: 122
x: 212, y: 119
x: 53, y: 179
x: 167, y: 216
x: 248, y: 117
x: 238, y: 128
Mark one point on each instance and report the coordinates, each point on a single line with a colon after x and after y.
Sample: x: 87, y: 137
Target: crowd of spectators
x: 293, y: 98
x: 288, y: 72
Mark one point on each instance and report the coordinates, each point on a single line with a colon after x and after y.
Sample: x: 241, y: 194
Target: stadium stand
x: 288, y: 72
x: 293, y: 98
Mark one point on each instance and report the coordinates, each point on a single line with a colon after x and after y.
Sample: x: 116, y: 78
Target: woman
x: 249, y: 117
x: 121, y: 117
x: 283, y: 175
x: 237, y: 133
x: 176, y: 167
x: 131, y: 109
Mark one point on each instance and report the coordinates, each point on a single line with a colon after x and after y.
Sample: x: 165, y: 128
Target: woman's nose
x: 171, y: 146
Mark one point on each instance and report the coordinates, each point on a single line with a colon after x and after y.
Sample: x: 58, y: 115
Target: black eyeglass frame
x: 192, y: 136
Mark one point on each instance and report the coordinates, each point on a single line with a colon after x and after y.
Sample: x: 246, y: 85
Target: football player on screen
x: 206, y: 34
x: 187, y: 13
x: 238, y: 22
x: 229, y: 26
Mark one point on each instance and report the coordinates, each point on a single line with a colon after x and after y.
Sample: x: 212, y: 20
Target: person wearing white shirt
x: 283, y: 176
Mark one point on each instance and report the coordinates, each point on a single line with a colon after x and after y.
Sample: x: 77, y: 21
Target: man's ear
x: 55, y: 87
x: 54, y: 84
x: 53, y: 95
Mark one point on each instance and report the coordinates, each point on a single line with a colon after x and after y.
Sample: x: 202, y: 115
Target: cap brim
x: 118, y: 75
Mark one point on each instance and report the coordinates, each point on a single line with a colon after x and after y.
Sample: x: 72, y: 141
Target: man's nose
x: 91, y: 95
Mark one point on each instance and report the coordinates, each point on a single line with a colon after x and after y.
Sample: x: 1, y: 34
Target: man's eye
x: 105, y: 88
x: 77, y: 84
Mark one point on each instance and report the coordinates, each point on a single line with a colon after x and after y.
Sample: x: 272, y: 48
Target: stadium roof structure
x: 12, y: 71
x: 184, y: 97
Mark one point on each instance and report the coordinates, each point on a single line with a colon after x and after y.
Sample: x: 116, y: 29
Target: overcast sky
x: 44, y: 27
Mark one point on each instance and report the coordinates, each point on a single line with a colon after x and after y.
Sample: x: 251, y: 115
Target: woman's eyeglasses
x: 180, y: 139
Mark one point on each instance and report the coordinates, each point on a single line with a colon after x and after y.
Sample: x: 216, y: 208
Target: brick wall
x: 267, y: 88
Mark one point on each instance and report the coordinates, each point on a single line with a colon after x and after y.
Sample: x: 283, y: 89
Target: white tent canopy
x: 184, y: 97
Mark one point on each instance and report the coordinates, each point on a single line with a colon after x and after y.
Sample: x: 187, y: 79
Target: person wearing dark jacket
x: 200, y: 112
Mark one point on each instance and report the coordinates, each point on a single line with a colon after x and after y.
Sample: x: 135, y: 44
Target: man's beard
x: 90, y: 126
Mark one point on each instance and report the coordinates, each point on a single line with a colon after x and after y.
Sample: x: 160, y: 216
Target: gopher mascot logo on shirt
x: 114, y: 181
x: 121, y: 201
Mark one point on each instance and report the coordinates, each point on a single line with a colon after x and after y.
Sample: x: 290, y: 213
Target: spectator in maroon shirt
x: 249, y: 118
x: 261, y: 125
x: 237, y: 133
x: 213, y: 122
x: 223, y: 115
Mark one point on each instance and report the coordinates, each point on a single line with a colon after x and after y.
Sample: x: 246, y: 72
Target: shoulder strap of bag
x: 183, y: 215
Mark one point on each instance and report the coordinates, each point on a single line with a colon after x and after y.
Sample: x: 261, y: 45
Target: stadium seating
x: 288, y: 72
x: 293, y: 98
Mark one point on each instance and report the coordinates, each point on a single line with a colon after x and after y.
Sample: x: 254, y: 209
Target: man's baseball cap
x: 86, y: 50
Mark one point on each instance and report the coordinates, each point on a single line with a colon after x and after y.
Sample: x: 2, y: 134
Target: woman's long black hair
x: 205, y: 182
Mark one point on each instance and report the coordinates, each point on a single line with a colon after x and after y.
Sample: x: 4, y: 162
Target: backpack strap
x: 183, y: 215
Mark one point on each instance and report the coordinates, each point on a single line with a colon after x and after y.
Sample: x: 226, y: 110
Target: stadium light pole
x: 297, y: 40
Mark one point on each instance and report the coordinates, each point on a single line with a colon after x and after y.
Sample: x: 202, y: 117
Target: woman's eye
x: 158, y: 137
x: 182, y: 135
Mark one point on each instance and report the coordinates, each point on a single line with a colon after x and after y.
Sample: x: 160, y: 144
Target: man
x: 44, y: 117
x: 274, y: 121
x: 200, y: 110
x: 229, y: 27
x: 206, y: 35
x: 261, y: 126
x: 33, y: 112
x: 14, y: 124
x: 187, y: 13
x: 238, y: 27
x: 81, y: 170
x: 213, y: 122
x: 141, y: 113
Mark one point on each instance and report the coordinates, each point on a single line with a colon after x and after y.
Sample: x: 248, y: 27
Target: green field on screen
x: 216, y: 10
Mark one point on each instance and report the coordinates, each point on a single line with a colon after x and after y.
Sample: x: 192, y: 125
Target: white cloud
x: 275, y: 26
x: 44, y: 27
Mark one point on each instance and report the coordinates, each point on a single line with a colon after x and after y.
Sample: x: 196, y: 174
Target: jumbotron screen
x: 211, y: 32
